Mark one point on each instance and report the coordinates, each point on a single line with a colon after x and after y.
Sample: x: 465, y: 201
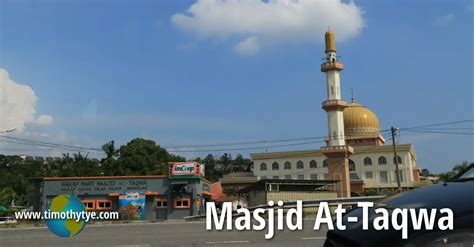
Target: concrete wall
x: 261, y: 197
x: 257, y: 198
x: 295, y: 195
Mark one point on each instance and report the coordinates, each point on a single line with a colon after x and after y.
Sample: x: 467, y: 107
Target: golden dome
x: 360, y: 121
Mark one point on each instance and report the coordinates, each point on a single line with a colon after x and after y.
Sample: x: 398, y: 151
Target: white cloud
x: 248, y: 46
x: 257, y: 22
x: 44, y: 120
x: 17, y: 105
x: 445, y: 19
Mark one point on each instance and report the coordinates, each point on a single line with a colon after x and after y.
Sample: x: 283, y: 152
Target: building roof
x: 105, y: 177
x: 238, y: 177
x: 317, y: 152
x: 290, y: 184
x: 217, y: 192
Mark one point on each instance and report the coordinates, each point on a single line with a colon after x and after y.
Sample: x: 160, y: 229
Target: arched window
x: 382, y: 160
x: 275, y: 166
x: 263, y: 167
x: 313, y: 164
x: 325, y: 163
x: 352, y: 166
x: 299, y: 165
x: 399, y: 159
x: 287, y: 165
x: 367, y: 161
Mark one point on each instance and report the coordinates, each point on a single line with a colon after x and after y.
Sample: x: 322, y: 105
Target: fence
x: 347, y: 201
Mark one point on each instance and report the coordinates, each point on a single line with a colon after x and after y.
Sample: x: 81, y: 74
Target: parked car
x: 7, y: 220
x: 456, y: 194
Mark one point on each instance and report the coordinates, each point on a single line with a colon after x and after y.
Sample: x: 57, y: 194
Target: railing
x: 347, y: 201
x: 334, y: 102
x: 332, y: 65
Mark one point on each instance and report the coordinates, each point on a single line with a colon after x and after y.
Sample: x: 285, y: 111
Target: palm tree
x: 110, y: 165
x: 110, y: 151
x: 460, y: 167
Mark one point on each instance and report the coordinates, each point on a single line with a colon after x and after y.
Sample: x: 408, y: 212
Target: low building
x: 286, y: 190
x: 235, y: 181
x: 156, y: 197
x: 429, y: 179
x: 226, y: 190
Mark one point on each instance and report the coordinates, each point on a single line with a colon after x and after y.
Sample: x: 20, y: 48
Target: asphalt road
x: 162, y: 234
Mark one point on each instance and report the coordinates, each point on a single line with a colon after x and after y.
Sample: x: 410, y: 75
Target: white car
x: 7, y: 220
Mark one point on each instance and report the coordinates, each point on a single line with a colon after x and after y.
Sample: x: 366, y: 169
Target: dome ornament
x: 352, y: 95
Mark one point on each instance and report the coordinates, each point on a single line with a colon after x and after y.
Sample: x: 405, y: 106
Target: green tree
x: 65, y: 166
x: 241, y: 164
x: 144, y: 157
x: 110, y: 151
x: 210, y: 171
x: 109, y: 164
x: 7, y: 194
x: 425, y: 172
x: 225, y: 159
x: 454, y: 171
x: 460, y: 167
x: 83, y: 166
x: 14, y: 174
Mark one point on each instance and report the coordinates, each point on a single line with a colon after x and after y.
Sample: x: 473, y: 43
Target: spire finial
x: 330, y: 41
x: 352, y: 95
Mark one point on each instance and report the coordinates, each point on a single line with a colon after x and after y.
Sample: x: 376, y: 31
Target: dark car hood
x: 458, y: 196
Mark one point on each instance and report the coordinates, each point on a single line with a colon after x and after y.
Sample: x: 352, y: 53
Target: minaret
x: 336, y: 151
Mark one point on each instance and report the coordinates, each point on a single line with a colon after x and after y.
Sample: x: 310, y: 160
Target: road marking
x: 133, y: 245
x: 229, y: 242
x: 314, y: 238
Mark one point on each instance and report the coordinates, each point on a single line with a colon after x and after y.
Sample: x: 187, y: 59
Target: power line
x: 254, y: 142
x: 49, y: 147
x: 246, y: 143
x: 438, y: 124
x: 321, y: 137
x: 29, y: 149
x: 24, y: 141
x: 51, y: 144
x: 440, y: 132
x: 245, y: 148
x: 434, y: 129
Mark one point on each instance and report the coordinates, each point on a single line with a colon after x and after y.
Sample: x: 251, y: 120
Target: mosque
x: 355, y: 154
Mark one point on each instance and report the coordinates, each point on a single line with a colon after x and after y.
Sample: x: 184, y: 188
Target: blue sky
x: 106, y: 70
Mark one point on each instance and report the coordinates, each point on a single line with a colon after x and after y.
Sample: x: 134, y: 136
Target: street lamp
x: 8, y: 130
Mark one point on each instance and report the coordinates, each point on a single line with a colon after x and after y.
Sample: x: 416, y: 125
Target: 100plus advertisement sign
x: 134, y: 204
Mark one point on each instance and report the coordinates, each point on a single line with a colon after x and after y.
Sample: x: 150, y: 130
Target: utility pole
x: 394, y: 133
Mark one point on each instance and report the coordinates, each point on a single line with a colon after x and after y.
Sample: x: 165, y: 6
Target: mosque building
x: 355, y: 154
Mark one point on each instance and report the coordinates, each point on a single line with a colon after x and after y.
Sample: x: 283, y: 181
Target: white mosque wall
x: 362, y: 171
